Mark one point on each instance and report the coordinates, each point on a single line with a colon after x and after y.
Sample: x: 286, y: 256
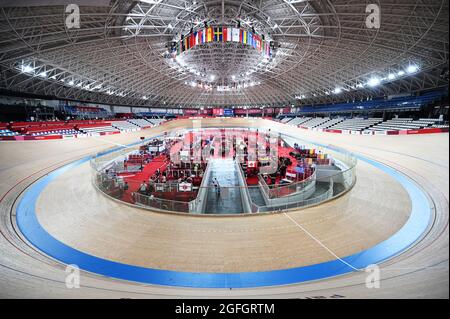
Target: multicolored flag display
x: 222, y: 34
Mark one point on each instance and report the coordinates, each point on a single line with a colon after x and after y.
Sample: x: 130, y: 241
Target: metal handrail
x: 101, y: 160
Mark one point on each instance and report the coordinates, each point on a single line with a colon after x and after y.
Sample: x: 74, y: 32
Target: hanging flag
x: 183, y: 45
x: 250, y: 38
x: 209, y: 36
x: 225, y: 34
x: 191, y: 40
x: 229, y: 34
x: 243, y: 38
x: 203, y: 37
x: 218, y: 34
x: 235, y: 35
x: 186, y: 43
x: 197, y: 42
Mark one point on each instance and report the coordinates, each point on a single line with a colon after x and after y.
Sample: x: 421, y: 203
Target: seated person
x: 151, y: 187
x: 143, y: 188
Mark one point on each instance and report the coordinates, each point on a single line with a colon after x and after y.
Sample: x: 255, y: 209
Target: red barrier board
x: 426, y: 131
x: 334, y: 131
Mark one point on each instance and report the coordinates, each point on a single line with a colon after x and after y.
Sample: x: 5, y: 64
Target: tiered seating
x: 330, y: 123
x: 356, y: 124
x: 404, y: 102
x: 41, y: 128
x: 124, y: 126
x: 142, y: 123
x: 286, y: 120
x: 299, y: 121
x: 98, y: 129
x: 426, y: 122
x: 399, y: 124
x: 65, y: 131
x: 86, y: 111
x: 71, y: 127
x: 6, y: 132
x: 316, y: 122
x: 95, y: 127
x: 156, y: 122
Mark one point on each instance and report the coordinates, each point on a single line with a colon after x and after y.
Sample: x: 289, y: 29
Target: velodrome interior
x: 350, y: 223
x: 352, y: 118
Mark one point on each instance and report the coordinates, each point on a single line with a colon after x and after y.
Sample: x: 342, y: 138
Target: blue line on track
x: 400, y: 241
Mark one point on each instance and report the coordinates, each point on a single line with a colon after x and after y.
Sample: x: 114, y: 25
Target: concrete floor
x: 228, y: 200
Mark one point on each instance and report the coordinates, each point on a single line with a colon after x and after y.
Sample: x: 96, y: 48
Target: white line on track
x: 103, y: 140
x: 320, y: 243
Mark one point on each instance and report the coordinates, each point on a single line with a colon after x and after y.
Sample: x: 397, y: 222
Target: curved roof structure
x: 323, y: 51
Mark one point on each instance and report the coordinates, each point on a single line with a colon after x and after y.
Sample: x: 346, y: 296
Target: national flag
x: 251, y: 164
x: 197, y: 36
x: 218, y: 34
x: 235, y: 35
x: 185, y: 187
x: 255, y: 41
x: 191, y: 40
x: 258, y: 43
x: 186, y: 43
x: 203, y: 36
x: 250, y: 38
x: 243, y: 37
x: 224, y: 34
x: 209, y: 36
x: 229, y: 34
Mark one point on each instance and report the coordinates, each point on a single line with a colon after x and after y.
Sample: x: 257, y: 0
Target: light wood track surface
x: 375, y: 209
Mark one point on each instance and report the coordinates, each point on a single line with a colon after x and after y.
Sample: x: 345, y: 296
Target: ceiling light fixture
x: 373, y: 82
x: 412, y: 69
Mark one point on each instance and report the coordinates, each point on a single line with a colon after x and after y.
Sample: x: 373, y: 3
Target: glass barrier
x: 324, y: 184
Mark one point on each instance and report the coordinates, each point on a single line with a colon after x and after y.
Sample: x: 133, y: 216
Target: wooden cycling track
x: 76, y: 214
